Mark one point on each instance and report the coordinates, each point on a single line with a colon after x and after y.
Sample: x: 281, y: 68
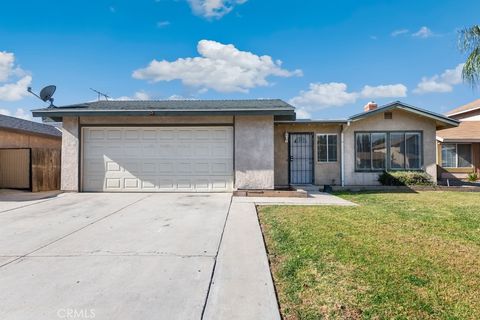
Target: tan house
x: 225, y: 145
x: 459, y: 147
x: 29, y: 155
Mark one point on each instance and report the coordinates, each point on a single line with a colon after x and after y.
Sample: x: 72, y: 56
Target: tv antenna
x: 100, y: 94
x: 46, y: 94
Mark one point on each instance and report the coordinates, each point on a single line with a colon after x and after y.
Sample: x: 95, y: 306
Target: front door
x: 301, y: 158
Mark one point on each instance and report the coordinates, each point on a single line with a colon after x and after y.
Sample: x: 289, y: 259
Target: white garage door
x: 157, y: 159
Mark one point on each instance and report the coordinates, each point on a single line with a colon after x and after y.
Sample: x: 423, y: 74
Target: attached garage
x: 168, y: 146
x: 157, y: 159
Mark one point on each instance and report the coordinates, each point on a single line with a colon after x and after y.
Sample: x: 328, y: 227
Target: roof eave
x: 462, y: 112
x: 55, y: 113
x: 317, y: 122
x: 458, y: 140
x: 447, y: 122
x: 34, y: 133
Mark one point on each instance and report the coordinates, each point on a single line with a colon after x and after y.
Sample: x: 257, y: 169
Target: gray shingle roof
x: 12, y: 123
x: 181, y: 105
x: 171, y: 107
x: 445, y: 121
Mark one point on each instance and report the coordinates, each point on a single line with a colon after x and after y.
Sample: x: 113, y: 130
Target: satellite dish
x: 47, y: 93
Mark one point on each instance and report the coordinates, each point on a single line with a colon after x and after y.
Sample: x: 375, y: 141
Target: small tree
x: 469, y: 43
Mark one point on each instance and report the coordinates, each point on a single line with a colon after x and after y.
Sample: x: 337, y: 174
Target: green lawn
x: 395, y: 256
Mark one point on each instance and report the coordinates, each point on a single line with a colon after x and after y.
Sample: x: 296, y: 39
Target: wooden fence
x: 45, y: 169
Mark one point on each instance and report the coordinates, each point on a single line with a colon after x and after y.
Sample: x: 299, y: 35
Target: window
x: 456, y: 155
x: 326, y: 147
x: 377, y: 151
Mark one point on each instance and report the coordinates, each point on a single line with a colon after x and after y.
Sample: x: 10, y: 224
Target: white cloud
x: 19, y: 113
x: 302, y: 113
x: 15, y: 90
x: 335, y: 94
x: 163, y: 24
x: 324, y: 95
x: 423, y: 32
x: 9, y: 71
x: 221, y: 67
x: 384, y: 91
x: 179, y: 97
x: 7, y: 60
x: 441, y: 83
x: 398, y: 32
x: 210, y: 9
x: 139, y: 95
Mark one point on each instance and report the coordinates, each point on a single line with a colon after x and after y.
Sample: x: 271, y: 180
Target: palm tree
x: 469, y: 43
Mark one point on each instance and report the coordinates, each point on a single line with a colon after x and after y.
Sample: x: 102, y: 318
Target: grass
x: 395, y: 256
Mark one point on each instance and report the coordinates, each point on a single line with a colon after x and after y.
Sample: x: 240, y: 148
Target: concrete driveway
x: 110, y: 256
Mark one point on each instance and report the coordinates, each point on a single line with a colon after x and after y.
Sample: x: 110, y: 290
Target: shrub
x: 405, y: 178
x: 472, y: 177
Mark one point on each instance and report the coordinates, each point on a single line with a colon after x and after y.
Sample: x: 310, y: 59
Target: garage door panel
x: 96, y: 134
x: 112, y: 166
x: 166, y: 150
x: 185, y: 159
x: 166, y: 134
x: 114, y: 134
x: 113, y: 183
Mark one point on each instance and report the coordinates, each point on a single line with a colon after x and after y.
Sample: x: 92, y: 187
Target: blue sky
x: 335, y: 55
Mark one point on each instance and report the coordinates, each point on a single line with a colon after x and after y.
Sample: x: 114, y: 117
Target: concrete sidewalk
x: 314, y: 199
x: 242, y: 286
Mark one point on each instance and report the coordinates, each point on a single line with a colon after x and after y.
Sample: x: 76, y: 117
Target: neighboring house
x: 459, y: 147
x: 29, y: 155
x: 223, y: 145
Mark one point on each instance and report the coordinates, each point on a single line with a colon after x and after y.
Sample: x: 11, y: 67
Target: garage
x: 157, y: 159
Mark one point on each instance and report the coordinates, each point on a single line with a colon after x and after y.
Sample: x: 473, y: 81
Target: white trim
x: 464, y: 111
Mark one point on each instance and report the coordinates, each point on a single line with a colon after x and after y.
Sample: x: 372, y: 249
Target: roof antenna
x: 100, y: 94
x: 46, y: 94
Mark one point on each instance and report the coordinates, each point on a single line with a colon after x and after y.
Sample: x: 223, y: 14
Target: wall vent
x: 388, y: 116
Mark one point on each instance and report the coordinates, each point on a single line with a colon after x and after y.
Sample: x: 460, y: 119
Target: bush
x: 472, y: 177
x: 405, y: 178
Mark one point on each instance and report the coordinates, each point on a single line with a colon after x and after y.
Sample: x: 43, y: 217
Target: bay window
x: 378, y: 151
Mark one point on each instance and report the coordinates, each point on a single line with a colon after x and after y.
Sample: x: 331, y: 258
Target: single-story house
x: 225, y: 145
x: 29, y: 155
x: 459, y: 147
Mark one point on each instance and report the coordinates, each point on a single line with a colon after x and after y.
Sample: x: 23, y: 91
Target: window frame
x: 316, y: 147
x: 456, y: 155
x: 388, y: 141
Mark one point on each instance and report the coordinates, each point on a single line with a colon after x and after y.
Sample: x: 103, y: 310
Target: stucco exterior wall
x: 325, y: 172
x: 254, y: 152
x: 14, y: 139
x: 180, y: 120
x: 70, y: 154
x: 401, y: 121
